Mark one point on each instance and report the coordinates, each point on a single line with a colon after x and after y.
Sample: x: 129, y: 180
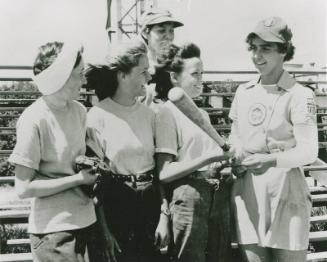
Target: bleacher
x: 216, y: 99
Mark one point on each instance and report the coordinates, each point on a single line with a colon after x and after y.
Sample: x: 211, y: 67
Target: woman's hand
x: 259, y: 163
x: 162, y: 233
x: 111, y: 247
x: 87, y: 176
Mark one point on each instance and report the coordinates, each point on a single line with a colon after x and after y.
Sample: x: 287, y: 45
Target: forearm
x: 176, y: 170
x: 305, y: 151
x: 48, y: 187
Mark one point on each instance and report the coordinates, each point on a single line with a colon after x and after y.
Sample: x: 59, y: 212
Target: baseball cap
x: 269, y: 30
x: 157, y: 16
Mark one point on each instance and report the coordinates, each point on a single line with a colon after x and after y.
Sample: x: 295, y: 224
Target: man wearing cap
x: 157, y: 31
x: 50, y: 135
x: 273, y: 135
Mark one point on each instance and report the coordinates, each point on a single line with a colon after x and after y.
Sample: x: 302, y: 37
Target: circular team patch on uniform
x: 257, y: 114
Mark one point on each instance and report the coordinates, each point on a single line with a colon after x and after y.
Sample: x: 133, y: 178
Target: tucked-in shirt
x: 177, y: 135
x: 48, y: 141
x: 122, y: 134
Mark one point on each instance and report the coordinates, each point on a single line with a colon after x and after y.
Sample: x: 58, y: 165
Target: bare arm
x: 26, y: 186
x: 170, y: 171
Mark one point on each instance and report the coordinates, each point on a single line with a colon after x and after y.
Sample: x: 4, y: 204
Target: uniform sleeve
x: 93, y: 135
x: 303, y: 118
x: 234, y: 137
x: 305, y: 151
x: 303, y: 107
x: 233, y: 109
x: 27, y: 151
x: 166, y: 132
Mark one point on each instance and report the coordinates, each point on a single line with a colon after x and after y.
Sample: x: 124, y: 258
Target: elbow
x: 310, y: 154
x: 23, y: 192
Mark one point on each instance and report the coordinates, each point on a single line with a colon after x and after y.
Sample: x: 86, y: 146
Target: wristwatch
x: 165, y: 211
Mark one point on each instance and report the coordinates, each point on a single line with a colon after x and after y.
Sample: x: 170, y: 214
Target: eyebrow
x: 263, y: 45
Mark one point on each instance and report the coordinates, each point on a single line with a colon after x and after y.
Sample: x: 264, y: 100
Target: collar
x: 285, y: 82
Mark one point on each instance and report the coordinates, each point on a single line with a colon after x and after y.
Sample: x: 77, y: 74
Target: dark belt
x: 145, y: 177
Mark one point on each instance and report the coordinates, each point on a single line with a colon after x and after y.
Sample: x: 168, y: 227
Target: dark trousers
x: 200, y: 221
x: 132, y: 215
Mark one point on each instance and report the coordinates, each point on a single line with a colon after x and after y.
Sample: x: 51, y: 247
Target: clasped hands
x: 257, y: 163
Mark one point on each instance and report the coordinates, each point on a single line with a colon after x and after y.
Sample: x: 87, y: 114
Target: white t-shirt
x: 178, y: 135
x: 48, y: 140
x: 122, y: 134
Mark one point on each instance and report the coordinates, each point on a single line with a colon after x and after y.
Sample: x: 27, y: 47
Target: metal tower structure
x: 124, y: 16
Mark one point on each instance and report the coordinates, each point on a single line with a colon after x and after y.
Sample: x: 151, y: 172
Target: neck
x: 123, y: 98
x: 56, y: 101
x: 273, y: 78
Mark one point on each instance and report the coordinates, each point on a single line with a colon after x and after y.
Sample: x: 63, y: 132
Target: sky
x: 219, y: 27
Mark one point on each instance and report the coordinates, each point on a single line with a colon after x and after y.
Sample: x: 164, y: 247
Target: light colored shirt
x: 179, y: 136
x: 122, y: 134
x: 48, y: 141
x: 284, y: 113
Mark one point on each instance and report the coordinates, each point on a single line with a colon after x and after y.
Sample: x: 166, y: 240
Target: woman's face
x: 137, y: 78
x: 266, y: 57
x: 160, y: 35
x: 190, y: 79
x: 75, y: 82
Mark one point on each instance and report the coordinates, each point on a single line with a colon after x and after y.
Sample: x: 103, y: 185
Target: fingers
x: 117, y: 247
x: 156, y: 239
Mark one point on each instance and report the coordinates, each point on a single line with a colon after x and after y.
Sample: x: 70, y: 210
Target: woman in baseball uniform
x: 50, y: 135
x: 273, y: 134
x: 120, y: 131
x: 194, y: 205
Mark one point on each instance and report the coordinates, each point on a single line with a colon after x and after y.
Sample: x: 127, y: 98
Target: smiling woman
x: 274, y: 133
x: 121, y: 132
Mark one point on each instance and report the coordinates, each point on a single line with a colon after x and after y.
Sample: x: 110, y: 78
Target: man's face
x: 137, y: 78
x: 190, y: 79
x: 159, y: 36
x: 266, y: 57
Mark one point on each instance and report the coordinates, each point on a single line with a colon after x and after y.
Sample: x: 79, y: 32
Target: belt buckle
x: 133, y: 180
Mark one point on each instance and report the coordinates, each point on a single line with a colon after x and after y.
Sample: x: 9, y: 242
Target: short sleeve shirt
x: 179, y: 136
x: 48, y: 141
x: 122, y: 134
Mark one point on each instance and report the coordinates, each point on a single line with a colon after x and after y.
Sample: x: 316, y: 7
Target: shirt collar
x: 285, y: 82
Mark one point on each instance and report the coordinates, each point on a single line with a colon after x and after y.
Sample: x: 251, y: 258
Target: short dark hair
x: 48, y: 54
x: 103, y: 78
x: 286, y: 48
x: 171, y: 59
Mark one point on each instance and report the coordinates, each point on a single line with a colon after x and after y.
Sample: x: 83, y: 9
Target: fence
x: 17, y: 93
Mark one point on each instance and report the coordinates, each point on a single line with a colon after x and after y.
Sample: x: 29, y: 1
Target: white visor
x: 53, y: 78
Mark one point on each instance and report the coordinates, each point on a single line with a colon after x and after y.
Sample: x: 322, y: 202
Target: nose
x: 169, y: 36
x: 148, y: 76
x: 83, y: 79
x: 257, y: 54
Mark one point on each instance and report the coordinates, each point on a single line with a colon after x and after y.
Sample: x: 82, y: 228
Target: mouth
x: 260, y: 63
